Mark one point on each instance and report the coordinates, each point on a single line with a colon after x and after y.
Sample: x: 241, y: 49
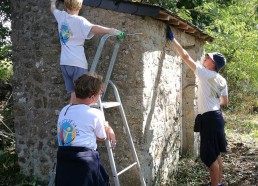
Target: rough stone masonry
x: 156, y: 90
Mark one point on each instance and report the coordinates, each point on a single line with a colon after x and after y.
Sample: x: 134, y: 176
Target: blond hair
x: 73, y: 4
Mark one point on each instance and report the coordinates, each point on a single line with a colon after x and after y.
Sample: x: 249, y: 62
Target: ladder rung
x: 107, y: 105
x: 127, y: 168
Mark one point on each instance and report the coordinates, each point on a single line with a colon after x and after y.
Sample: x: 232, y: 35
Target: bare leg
x: 220, y: 168
x: 214, y: 173
x: 73, y: 97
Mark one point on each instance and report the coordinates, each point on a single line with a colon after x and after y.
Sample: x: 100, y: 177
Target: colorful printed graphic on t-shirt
x: 64, y: 34
x: 66, y: 133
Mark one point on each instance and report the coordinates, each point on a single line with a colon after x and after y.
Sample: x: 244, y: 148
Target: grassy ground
x: 240, y: 162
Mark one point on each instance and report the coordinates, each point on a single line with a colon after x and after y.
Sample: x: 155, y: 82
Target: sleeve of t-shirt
x: 86, y: 28
x: 57, y: 14
x: 200, y: 72
x: 224, y: 91
x: 100, y: 129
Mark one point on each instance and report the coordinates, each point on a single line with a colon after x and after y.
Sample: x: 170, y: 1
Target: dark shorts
x: 213, y: 139
x: 80, y: 166
x: 70, y: 74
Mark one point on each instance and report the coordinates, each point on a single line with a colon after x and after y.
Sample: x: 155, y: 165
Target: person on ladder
x: 212, y: 93
x: 79, y: 126
x: 73, y: 30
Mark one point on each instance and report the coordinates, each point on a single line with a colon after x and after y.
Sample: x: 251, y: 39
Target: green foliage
x: 236, y: 35
x: 8, y: 165
x: 169, y: 4
x: 187, y: 10
x: 6, y: 69
x: 9, y: 171
x: 5, y: 15
x: 234, y: 25
x: 5, y: 43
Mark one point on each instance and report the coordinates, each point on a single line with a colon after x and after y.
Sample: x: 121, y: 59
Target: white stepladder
x: 105, y: 105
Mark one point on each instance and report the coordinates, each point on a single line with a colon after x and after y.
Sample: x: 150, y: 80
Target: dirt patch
x: 240, y: 164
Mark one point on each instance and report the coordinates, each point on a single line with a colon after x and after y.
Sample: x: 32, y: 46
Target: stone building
x: 156, y: 89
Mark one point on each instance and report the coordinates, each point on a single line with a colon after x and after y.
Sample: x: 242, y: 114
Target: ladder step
x: 107, y: 104
x: 127, y: 168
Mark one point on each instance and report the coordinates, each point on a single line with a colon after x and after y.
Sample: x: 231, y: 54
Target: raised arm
x: 53, y: 5
x: 181, y: 51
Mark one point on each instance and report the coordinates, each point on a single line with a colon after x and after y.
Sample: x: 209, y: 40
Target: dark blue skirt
x: 213, y: 139
x: 80, y: 166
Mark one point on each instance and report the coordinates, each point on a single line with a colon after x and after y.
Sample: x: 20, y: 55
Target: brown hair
x: 88, y: 85
x: 73, y: 4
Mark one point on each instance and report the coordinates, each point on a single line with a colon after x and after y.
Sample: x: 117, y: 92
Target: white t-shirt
x: 79, y: 125
x: 73, y: 30
x: 211, y: 86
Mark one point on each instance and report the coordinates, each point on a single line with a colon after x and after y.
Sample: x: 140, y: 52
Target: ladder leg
x: 112, y: 163
x: 98, y: 53
x: 110, y: 154
x: 128, y: 134
x: 112, y: 62
x: 107, y: 81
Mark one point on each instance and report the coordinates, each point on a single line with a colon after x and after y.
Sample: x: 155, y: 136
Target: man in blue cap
x: 212, y: 93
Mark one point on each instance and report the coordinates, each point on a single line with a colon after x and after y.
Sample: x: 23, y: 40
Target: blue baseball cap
x: 219, y: 59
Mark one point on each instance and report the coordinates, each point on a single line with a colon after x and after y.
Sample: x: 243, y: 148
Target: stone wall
x: 148, y: 74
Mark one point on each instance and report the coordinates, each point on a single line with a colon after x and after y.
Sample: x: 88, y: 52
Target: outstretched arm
x: 53, y: 5
x: 181, y: 51
x: 97, y: 29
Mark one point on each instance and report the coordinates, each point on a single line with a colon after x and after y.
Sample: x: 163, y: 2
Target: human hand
x: 170, y: 34
x: 111, y: 136
x: 119, y: 34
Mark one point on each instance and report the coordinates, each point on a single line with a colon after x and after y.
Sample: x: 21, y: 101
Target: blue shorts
x: 70, y: 74
x: 213, y: 139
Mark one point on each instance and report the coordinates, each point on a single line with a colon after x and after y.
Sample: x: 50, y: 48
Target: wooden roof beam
x: 173, y: 22
x: 164, y: 17
x: 182, y: 26
x: 190, y: 30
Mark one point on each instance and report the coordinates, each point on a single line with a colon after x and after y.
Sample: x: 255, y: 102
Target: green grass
x: 242, y: 128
